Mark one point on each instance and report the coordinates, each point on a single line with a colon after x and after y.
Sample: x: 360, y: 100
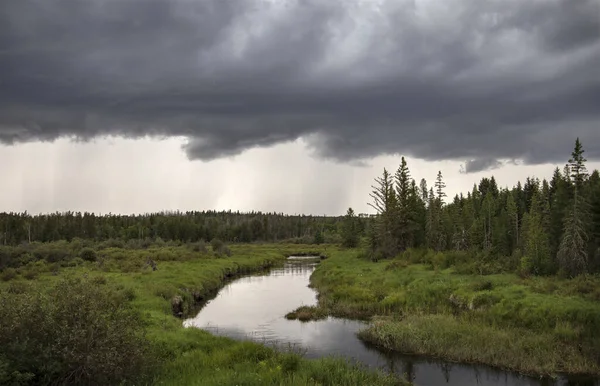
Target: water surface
x: 253, y: 307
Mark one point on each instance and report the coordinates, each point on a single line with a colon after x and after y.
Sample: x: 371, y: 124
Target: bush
x: 8, y: 274
x: 47, y: 335
x: 482, y: 285
x: 199, y: 246
x: 216, y: 244
x: 30, y: 274
x: 88, y: 254
x: 224, y: 250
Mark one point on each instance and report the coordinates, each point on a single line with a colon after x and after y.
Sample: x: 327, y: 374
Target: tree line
x: 538, y: 227
x: 18, y: 228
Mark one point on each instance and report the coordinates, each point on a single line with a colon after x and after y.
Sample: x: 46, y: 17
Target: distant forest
x: 18, y: 228
x: 538, y: 227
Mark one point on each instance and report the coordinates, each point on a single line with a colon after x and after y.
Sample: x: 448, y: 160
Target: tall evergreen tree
x: 537, y: 248
x: 386, y: 204
x: 513, y: 218
x: 350, y: 231
x: 440, y: 185
x: 405, y: 220
x: 572, y: 253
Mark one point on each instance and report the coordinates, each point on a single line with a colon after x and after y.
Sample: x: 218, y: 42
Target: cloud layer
x: 458, y: 79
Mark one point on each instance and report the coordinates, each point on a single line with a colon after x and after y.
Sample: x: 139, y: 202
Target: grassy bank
x: 122, y: 279
x: 536, y: 325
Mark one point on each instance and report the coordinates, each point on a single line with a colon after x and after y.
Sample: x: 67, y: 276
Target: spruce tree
x: 572, y: 252
x: 350, y: 231
x: 386, y: 204
x: 439, y: 187
x: 513, y: 218
x: 537, y: 248
x: 405, y: 220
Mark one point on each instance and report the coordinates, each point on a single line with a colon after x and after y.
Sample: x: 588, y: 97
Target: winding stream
x: 253, y: 307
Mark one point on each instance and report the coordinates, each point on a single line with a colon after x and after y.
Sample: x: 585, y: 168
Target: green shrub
x: 18, y: 287
x: 216, y: 244
x: 199, y: 246
x: 30, y: 274
x: 8, y: 274
x: 88, y: 254
x: 482, y: 285
x: 79, y: 332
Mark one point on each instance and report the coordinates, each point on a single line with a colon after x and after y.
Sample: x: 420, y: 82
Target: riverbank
x: 175, y: 355
x: 536, y: 325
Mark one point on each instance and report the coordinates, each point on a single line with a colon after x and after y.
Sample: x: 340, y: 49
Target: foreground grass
x: 190, y: 356
x: 457, y: 340
x: 533, y: 325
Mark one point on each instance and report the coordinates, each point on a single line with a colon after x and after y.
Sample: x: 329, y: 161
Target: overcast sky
x: 285, y: 105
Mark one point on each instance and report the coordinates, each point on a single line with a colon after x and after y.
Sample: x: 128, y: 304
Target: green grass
x: 456, y: 340
x: 191, y: 356
x: 306, y: 313
x: 465, y: 317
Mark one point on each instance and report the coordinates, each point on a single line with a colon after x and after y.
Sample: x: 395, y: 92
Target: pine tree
x: 572, y: 252
x: 594, y: 201
x: 432, y: 221
x: 488, y: 212
x: 405, y: 220
x: 537, y: 248
x: 350, y: 231
x: 419, y: 209
x: 386, y: 204
x: 513, y: 218
x: 439, y: 188
x: 423, y: 190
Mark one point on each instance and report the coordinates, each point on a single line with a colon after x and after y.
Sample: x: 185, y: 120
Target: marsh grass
x: 306, y: 313
x: 556, y: 321
x: 187, y: 356
x: 452, y: 339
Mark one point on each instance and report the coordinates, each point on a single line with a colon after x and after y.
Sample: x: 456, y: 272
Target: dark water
x: 253, y: 308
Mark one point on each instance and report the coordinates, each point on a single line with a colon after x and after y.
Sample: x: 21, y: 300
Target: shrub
x: 199, y: 246
x: 483, y: 285
x: 8, y: 274
x: 52, y: 253
x: 32, y: 343
x: 216, y: 244
x: 30, y: 274
x: 88, y: 254
x: 224, y: 250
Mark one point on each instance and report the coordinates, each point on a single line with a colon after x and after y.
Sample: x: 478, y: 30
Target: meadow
x: 104, y: 313
x: 435, y: 304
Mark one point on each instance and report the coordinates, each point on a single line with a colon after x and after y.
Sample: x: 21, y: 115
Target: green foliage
x: 470, y: 342
x: 88, y: 254
x: 219, y: 248
x: 531, y: 229
x: 8, y: 274
x: 158, y: 229
x: 318, y: 239
x: 79, y: 332
x: 350, y: 230
x: 306, y: 313
x: 423, y: 283
x: 216, y: 244
x: 116, y: 325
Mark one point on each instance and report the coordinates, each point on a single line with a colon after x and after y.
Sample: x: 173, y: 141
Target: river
x: 253, y: 307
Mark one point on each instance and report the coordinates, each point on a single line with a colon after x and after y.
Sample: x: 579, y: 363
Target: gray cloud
x: 480, y: 164
x: 461, y: 79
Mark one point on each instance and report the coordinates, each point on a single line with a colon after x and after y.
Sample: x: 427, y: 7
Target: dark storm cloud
x: 463, y: 79
x: 479, y: 164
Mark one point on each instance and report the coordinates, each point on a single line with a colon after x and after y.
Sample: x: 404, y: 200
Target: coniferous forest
x: 537, y: 227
